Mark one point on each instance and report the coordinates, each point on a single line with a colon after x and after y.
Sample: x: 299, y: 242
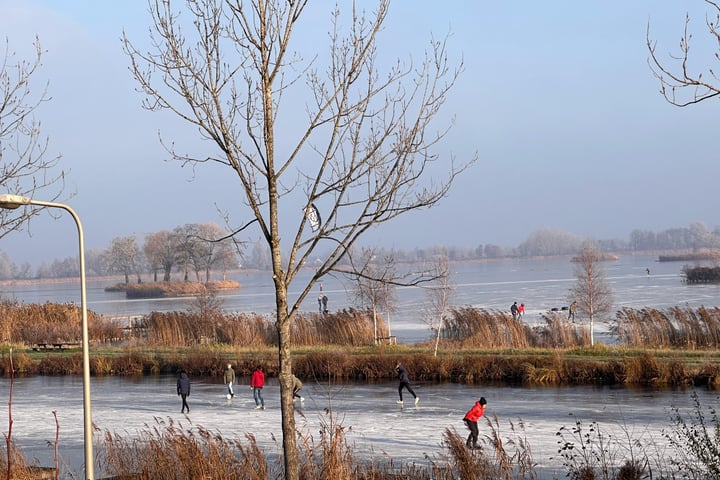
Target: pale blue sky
x: 556, y: 98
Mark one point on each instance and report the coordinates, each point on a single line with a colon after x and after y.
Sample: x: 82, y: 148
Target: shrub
x: 696, y: 441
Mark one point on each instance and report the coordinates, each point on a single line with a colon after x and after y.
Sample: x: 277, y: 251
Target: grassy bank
x: 677, y: 346
x: 599, y: 365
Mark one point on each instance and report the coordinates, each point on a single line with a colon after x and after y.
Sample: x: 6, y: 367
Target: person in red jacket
x: 471, y: 419
x: 257, y: 380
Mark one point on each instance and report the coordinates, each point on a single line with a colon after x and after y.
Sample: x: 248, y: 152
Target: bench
x: 44, y: 346
x: 391, y: 340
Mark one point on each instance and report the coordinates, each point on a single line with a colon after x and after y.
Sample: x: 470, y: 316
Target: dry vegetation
x: 173, y: 451
x: 171, y: 288
x: 658, y: 348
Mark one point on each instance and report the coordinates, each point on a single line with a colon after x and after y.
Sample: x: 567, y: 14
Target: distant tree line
x: 191, y: 252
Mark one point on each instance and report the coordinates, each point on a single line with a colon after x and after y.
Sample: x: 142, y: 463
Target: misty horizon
x: 566, y: 117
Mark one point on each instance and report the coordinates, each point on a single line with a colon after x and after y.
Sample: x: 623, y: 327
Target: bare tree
x: 682, y: 83
x: 375, y: 286
x: 364, y: 155
x: 125, y: 257
x: 26, y: 167
x: 161, y: 250
x: 211, y: 247
x: 591, y: 292
x: 440, y: 293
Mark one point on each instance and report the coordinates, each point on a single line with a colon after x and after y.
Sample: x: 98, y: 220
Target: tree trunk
x: 287, y: 405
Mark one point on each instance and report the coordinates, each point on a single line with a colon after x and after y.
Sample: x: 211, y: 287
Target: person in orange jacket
x: 471, y: 419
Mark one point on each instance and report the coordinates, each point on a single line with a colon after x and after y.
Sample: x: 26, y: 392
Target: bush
x: 696, y: 441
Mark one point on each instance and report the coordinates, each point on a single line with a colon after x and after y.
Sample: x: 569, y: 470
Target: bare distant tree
x: 439, y: 293
x: 364, y: 154
x: 26, y: 167
x: 161, y: 251
x: 259, y: 256
x: 548, y: 241
x: 592, y: 293
x: 374, y: 278
x: 124, y: 257
x: 683, y: 81
x: 210, y: 247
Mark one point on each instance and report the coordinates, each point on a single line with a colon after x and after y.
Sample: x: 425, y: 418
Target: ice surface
x: 376, y: 425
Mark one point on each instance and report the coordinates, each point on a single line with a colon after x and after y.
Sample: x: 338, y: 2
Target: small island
x: 171, y: 288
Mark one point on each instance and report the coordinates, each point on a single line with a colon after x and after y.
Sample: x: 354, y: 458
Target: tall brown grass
x: 676, y: 327
x: 169, y: 451
x: 346, y: 327
x: 35, y: 323
x: 470, y: 327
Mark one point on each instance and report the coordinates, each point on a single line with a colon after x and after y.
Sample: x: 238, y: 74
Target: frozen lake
x: 541, y: 284
x: 379, y: 426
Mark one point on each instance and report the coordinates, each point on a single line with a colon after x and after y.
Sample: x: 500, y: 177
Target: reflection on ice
x: 379, y: 426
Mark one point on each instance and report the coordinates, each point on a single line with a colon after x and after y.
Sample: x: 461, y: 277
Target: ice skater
x: 183, y: 390
x: 471, y: 419
x: 257, y: 381
x: 404, y: 383
x: 571, y: 311
x: 297, y: 386
x: 514, y: 310
x: 229, y: 379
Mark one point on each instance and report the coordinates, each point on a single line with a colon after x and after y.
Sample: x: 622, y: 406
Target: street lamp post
x: 12, y: 202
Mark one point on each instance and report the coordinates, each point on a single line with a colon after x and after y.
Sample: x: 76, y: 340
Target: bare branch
x: 680, y: 83
x: 26, y: 167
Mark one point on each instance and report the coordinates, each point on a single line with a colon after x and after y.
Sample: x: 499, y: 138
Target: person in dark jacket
x: 471, y: 419
x: 404, y: 383
x: 183, y: 389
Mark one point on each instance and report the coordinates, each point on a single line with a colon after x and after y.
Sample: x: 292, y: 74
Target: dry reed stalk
x: 168, y: 451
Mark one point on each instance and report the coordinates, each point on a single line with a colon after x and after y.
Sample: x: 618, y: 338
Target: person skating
x: 257, y: 380
x: 229, y: 379
x: 404, y: 383
x: 471, y: 419
x: 297, y: 386
x: 183, y: 390
x: 571, y: 311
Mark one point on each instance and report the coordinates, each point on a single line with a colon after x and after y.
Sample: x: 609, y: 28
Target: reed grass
x: 676, y: 327
x: 35, y: 323
x: 20, y: 468
x: 676, y: 346
x: 470, y: 327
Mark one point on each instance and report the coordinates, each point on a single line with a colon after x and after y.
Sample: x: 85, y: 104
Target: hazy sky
x: 557, y: 99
